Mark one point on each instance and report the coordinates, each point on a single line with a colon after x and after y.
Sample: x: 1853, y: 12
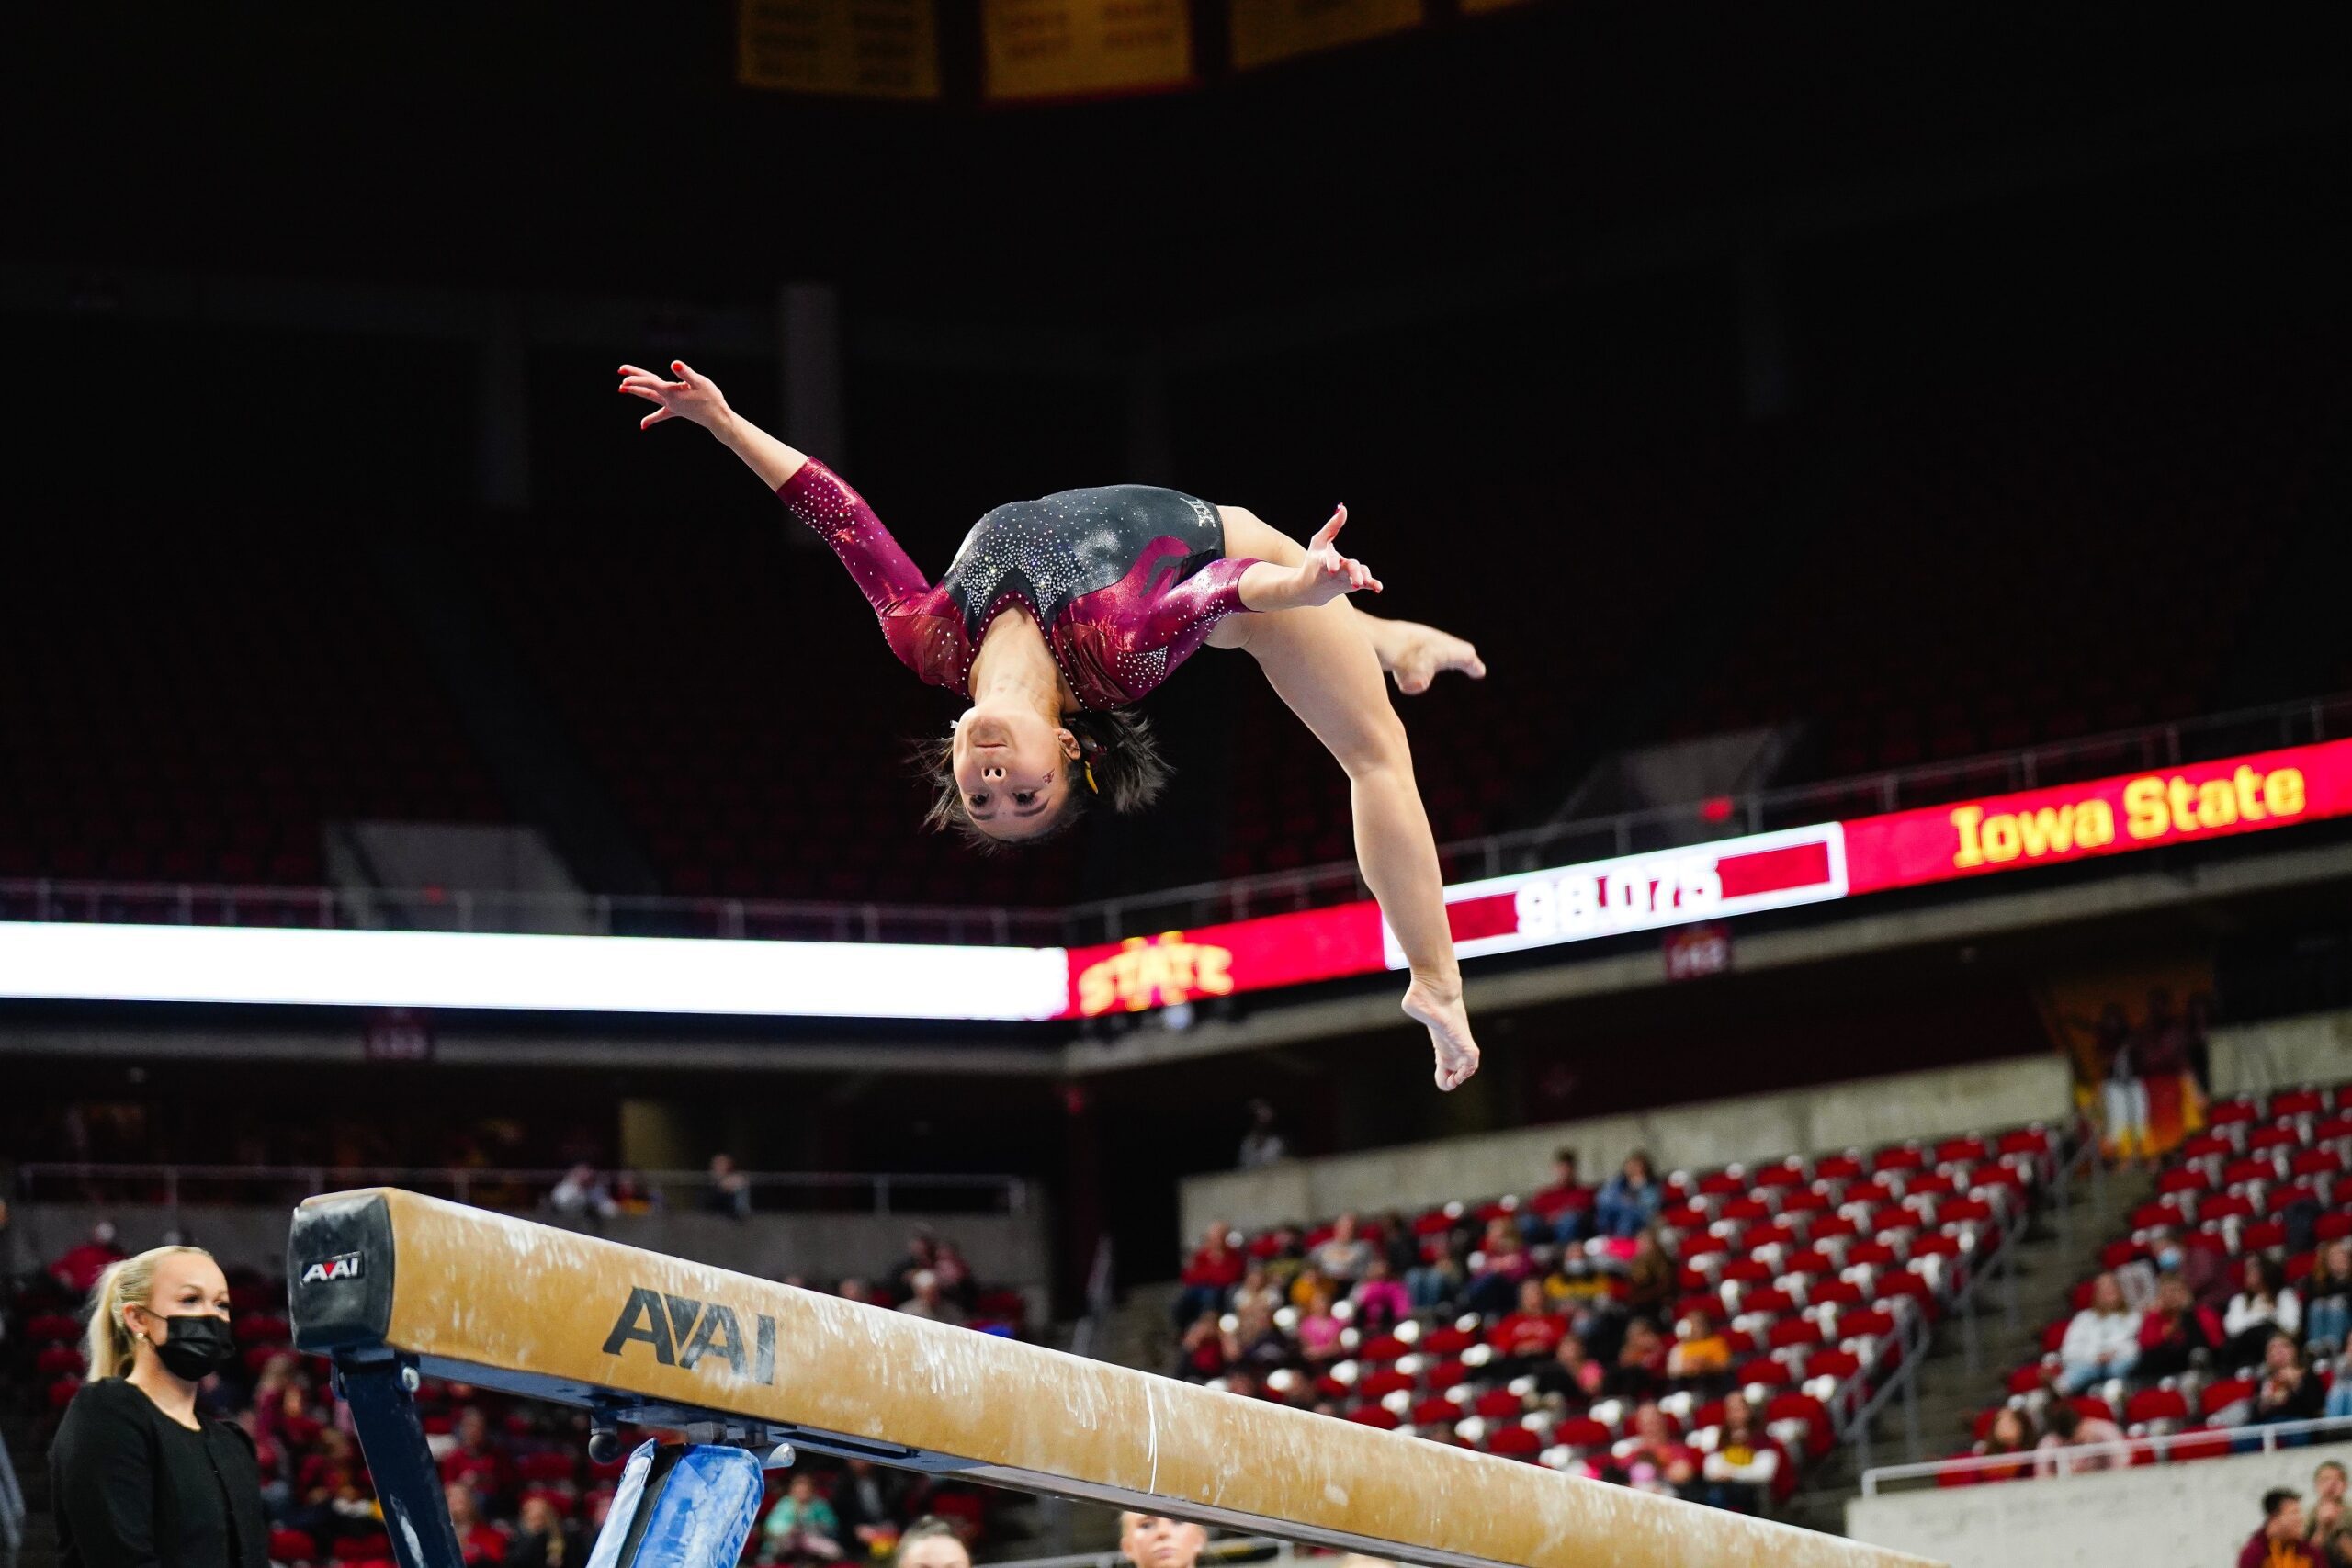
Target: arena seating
x: 201, y: 718
x: 2105, y: 487
x: 2266, y: 1177
x: 1820, y: 1274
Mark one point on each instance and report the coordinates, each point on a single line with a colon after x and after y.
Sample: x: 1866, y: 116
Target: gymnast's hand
x: 695, y: 397
x: 1323, y: 576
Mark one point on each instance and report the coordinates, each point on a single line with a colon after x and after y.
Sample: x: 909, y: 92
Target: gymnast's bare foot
x: 1419, y: 654
x: 1438, y: 1007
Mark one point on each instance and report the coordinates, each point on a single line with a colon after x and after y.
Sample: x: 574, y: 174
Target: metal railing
x: 788, y: 1191
x: 1600, y: 838
x: 2209, y: 1442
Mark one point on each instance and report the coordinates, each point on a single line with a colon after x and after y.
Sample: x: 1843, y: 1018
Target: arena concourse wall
x: 1939, y: 1102
x: 2164, y: 1515
x: 2255, y: 1058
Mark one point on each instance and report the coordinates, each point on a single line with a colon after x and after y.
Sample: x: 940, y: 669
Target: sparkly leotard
x: 1124, y: 581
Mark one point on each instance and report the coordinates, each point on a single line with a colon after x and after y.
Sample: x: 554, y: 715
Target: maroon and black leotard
x: 1125, y: 581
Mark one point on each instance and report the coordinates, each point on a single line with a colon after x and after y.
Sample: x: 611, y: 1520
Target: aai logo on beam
x: 684, y: 1333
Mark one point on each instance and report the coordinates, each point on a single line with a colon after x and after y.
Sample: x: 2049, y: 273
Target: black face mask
x: 195, y: 1344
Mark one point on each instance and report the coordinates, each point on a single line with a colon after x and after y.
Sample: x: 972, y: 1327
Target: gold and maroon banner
x: 1069, y: 49
x: 1264, y: 31
x: 872, y: 49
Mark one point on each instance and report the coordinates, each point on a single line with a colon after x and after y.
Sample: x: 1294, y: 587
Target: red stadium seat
x: 2151, y: 1405
x: 1582, y: 1432
x: 2231, y: 1113
x: 2223, y: 1393
x: 2297, y: 1103
x: 1499, y: 1405
x: 1373, y: 1415
x: 1514, y: 1441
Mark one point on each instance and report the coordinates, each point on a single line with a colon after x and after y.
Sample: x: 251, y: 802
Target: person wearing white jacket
x: 2102, y: 1342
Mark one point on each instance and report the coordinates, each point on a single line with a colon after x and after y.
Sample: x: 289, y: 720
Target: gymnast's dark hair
x: 1117, y: 745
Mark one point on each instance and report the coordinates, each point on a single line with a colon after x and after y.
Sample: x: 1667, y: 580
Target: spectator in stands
x: 932, y: 1542
x: 1657, y: 1460
x: 1563, y: 1211
x: 2102, y: 1341
x: 2011, y: 1432
x: 1257, y: 1290
x: 2339, y: 1392
x: 801, y: 1527
x: 1650, y: 1279
x: 930, y: 1302
x: 1305, y: 1286
x: 1262, y: 1145
x: 78, y: 1268
x: 2177, y: 1332
x: 1257, y: 1344
x: 1344, y: 1255
x: 1380, y: 1301
x: 2327, y: 1297
x: 854, y: 1289
x: 727, y: 1190
x: 1629, y: 1203
x: 1215, y: 1266
x: 2266, y: 1304
x: 580, y: 1195
x: 1437, y: 1285
x: 1699, y: 1354
x: 632, y: 1196
x: 2204, y: 1269
x: 1524, y: 1339
x: 955, y: 1279
x: 1640, y: 1370
x: 479, y: 1542
x: 922, y: 1255
x: 1318, y: 1330
x: 472, y: 1461
x: 1571, y: 1376
x: 2280, y: 1542
x: 2290, y: 1391
x: 1284, y: 1258
x: 866, y: 1503
x: 1398, y: 1243
x: 1151, y: 1541
x: 2070, y: 1428
x: 1206, y: 1349
x: 1743, y: 1461
x: 2331, y: 1528
x: 1497, y: 1268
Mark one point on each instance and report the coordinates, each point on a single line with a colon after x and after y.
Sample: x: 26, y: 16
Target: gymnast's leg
x: 1320, y: 662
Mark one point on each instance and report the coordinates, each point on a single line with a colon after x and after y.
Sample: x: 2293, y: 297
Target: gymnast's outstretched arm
x: 810, y: 491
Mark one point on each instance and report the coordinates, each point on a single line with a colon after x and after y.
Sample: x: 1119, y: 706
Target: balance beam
x: 391, y: 1284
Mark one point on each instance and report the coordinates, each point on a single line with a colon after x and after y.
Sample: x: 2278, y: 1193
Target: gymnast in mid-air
x: 1057, y: 614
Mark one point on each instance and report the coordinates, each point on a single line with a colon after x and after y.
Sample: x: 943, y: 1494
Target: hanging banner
x: 872, y: 49
x: 1264, y: 31
x: 1070, y: 48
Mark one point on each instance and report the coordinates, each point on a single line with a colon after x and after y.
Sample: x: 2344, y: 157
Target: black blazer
x: 135, y: 1489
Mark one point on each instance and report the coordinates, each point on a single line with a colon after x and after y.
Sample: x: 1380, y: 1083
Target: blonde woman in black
x: 140, y: 1479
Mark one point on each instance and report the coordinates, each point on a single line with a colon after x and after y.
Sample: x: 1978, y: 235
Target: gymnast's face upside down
x: 1012, y: 769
